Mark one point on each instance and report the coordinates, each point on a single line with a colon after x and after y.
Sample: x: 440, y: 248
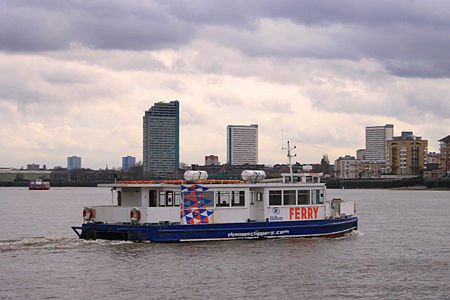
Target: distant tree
x: 325, y: 164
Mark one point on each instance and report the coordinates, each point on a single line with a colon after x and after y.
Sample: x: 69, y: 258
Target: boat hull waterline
x: 230, y: 231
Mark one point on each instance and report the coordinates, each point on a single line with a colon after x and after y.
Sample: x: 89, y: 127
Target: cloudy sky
x: 76, y: 76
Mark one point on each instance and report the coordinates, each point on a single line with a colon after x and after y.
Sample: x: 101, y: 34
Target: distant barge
x: 38, y: 184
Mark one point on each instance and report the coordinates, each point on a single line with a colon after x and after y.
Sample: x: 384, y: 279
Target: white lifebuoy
x: 135, y: 215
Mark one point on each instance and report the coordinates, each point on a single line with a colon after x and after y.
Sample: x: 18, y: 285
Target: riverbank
x: 405, y: 184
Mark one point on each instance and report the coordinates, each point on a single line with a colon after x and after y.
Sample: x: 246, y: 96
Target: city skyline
x: 316, y: 73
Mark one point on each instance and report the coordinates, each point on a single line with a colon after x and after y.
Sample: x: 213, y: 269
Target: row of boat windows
x: 295, y: 197
x: 216, y: 199
x: 237, y: 198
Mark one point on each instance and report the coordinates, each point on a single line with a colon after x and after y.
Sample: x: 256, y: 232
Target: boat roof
x: 212, y: 185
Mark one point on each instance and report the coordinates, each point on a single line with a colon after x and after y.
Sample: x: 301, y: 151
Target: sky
x: 77, y: 76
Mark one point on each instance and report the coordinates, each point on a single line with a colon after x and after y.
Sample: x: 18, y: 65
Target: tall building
x: 445, y: 155
x: 211, y: 160
x: 376, y: 141
x: 33, y: 167
x: 73, y: 163
x: 407, y: 154
x: 161, y: 149
x: 128, y: 162
x: 346, y: 167
x: 361, y: 154
x: 242, y: 144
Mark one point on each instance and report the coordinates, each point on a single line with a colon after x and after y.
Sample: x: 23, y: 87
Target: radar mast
x: 290, y: 156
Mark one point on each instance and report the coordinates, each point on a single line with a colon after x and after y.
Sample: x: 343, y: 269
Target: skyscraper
x: 128, y: 162
x: 73, y: 162
x: 376, y: 141
x: 161, y: 139
x: 242, y: 144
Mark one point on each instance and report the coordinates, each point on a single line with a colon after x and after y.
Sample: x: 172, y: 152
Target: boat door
x: 256, y: 205
x: 259, y: 205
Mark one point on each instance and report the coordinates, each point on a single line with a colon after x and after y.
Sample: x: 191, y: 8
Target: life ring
x: 88, y: 213
x: 135, y: 215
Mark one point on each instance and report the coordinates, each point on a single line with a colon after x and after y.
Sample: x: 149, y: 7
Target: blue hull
x: 179, y: 233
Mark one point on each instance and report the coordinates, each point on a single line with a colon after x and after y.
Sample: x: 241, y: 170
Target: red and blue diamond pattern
x: 193, y: 208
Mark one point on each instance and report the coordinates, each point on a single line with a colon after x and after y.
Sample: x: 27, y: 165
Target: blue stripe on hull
x: 177, y: 233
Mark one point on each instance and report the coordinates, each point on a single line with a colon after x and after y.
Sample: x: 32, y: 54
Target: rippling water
x: 401, y: 251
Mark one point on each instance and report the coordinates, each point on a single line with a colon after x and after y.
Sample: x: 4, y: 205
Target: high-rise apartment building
x: 407, y: 154
x: 128, y: 162
x: 73, y: 163
x: 161, y: 151
x: 242, y: 144
x: 361, y: 154
x: 211, y: 160
x: 445, y: 155
x: 346, y: 167
x: 376, y: 141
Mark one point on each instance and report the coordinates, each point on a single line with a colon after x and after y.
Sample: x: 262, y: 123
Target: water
x: 401, y: 251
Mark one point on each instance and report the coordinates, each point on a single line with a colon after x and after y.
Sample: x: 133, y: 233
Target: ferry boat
x: 198, y: 209
x: 39, y: 184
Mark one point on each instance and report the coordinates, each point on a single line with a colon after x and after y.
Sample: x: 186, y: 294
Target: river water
x: 401, y: 251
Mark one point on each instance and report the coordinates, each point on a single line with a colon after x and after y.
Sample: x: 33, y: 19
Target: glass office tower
x: 161, y: 151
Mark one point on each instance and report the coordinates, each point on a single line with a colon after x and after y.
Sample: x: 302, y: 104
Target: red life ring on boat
x: 88, y: 213
x: 135, y: 215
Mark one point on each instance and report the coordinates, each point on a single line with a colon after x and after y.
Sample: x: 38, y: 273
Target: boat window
x: 152, y: 198
x: 209, y: 195
x: 252, y: 198
x: 303, y: 197
x: 259, y: 197
x: 289, y: 197
x: 274, y: 197
x: 169, y: 198
x: 177, y: 199
x: 317, y: 196
x: 222, y: 198
x: 321, y: 197
x: 238, y: 198
x: 162, y: 199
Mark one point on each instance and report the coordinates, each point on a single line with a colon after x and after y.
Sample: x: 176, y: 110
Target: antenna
x: 290, y: 156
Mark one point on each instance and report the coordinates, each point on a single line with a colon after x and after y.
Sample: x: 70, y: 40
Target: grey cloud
x: 407, y: 104
x: 424, y: 69
x: 40, y: 26
x: 66, y: 76
x: 410, y: 38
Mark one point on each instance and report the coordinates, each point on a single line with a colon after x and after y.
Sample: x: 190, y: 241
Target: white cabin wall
x: 230, y: 215
x: 144, y: 197
x: 163, y: 214
x: 112, y: 214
